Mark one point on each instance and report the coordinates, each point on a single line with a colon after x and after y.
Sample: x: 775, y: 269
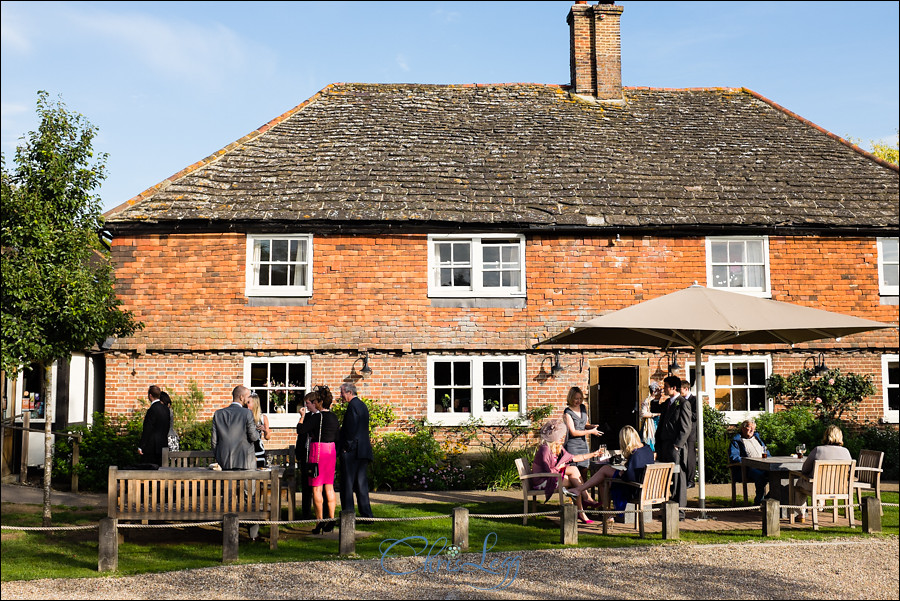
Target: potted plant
x: 445, y: 403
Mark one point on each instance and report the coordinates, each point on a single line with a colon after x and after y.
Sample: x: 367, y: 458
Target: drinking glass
x: 801, y: 449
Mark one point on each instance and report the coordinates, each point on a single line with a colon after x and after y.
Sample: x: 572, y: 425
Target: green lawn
x: 27, y: 555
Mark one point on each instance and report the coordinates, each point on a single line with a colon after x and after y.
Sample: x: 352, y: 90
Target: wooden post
x: 871, y: 514
x: 670, y: 521
x: 461, y: 528
x: 347, y: 544
x: 568, y: 534
x: 23, y: 467
x: 76, y: 452
x: 274, y: 505
x: 771, y: 525
x: 230, y: 537
x: 108, y: 551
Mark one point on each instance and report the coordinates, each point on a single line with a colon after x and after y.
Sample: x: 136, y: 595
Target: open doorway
x: 617, y: 387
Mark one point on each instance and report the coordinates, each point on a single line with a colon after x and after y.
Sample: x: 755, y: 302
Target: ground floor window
x: 890, y: 378
x: 489, y: 388
x: 737, y: 386
x: 281, y: 383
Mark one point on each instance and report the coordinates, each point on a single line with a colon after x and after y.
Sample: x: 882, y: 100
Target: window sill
x: 460, y: 419
x: 890, y: 300
x: 277, y: 301
x: 480, y: 302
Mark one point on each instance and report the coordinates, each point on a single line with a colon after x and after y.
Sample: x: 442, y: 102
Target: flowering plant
x: 830, y: 393
x: 446, y: 477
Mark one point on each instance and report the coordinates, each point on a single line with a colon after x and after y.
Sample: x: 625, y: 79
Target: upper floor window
x: 890, y: 385
x: 279, y: 265
x: 281, y: 383
x: 888, y: 266
x: 739, y: 264
x: 489, y: 388
x: 488, y: 265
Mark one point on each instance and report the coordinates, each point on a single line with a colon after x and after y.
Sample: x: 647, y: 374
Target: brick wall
x: 370, y: 293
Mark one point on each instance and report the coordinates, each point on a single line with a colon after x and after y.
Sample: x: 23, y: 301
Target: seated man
x: 749, y: 444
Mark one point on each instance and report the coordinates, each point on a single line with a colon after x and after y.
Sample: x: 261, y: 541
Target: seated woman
x: 832, y: 449
x: 749, y: 444
x: 637, y: 457
x: 553, y: 457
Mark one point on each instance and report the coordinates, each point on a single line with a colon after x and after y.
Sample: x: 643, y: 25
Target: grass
x: 73, y: 554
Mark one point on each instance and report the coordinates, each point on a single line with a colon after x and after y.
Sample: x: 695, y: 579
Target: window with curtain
x: 476, y: 266
x: 738, y: 264
x: 279, y: 265
x: 888, y: 266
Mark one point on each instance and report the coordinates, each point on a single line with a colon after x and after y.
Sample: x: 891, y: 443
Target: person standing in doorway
x: 356, y: 452
x: 155, y: 433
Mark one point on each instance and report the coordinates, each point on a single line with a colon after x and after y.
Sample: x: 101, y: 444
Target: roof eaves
x: 149, y: 192
x: 847, y: 143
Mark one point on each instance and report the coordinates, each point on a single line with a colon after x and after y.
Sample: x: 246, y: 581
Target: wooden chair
x: 733, y: 471
x: 868, y: 474
x: 655, y: 489
x: 831, y: 480
x: 528, y: 493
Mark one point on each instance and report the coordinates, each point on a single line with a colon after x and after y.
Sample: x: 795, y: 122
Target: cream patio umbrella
x: 698, y: 317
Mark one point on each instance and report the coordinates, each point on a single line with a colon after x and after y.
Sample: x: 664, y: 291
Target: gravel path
x: 839, y: 569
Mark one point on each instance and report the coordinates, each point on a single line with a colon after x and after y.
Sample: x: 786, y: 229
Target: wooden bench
x: 195, y: 494
x: 284, y: 458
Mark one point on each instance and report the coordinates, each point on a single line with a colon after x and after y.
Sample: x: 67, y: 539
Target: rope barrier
x: 605, y: 512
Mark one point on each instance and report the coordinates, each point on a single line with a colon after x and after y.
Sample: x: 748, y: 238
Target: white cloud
x: 446, y: 16
x: 12, y: 32
x: 402, y: 62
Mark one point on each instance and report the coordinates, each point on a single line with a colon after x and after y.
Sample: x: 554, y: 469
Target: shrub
x: 398, y: 455
x: 196, y: 436
x: 496, y: 468
x: 716, y: 440
x: 443, y: 477
x: 830, y: 394
x: 784, y: 430
x: 874, y: 438
x: 110, y: 440
x: 380, y: 415
x: 185, y: 408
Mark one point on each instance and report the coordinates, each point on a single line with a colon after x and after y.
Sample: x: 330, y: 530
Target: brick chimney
x: 595, y: 56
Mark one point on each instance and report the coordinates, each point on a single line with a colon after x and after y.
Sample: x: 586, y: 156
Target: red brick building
x: 435, y: 233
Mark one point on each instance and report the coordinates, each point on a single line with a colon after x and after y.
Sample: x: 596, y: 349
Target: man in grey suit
x: 233, y: 435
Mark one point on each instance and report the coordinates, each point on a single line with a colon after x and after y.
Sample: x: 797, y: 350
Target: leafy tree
x: 885, y: 152
x: 57, y: 294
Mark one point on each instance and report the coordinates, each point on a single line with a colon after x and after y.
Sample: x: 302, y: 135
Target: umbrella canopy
x: 698, y: 317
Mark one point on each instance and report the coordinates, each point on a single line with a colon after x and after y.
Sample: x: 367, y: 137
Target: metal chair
x: 830, y: 480
x: 528, y: 493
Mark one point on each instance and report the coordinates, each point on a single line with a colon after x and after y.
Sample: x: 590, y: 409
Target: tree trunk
x: 48, y: 439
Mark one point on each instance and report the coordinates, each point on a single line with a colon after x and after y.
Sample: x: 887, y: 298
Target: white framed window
x: 890, y: 385
x: 486, y: 265
x: 738, y: 385
x: 279, y: 265
x: 738, y: 264
x: 281, y: 383
x: 489, y: 388
x: 888, y: 266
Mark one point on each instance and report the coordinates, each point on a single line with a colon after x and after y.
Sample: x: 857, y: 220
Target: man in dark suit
x: 672, y: 436
x: 355, y: 452
x: 155, y: 434
x: 234, y: 433
x: 688, y: 394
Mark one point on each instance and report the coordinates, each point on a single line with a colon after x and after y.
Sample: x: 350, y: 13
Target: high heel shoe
x: 583, y: 518
x: 569, y: 493
x: 328, y: 527
x: 318, y: 528
x: 591, y: 504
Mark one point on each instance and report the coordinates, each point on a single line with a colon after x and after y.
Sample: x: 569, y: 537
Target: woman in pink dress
x: 552, y: 457
x: 323, y: 428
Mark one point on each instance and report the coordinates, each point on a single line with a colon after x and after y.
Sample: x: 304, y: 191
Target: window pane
x: 736, y: 252
x: 297, y: 375
x: 461, y: 373
x: 735, y: 276
x: 491, y: 255
x: 264, y: 275
x: 511, y: 373
x: 719, y: 251
x: 723, y: 374
x: 463, y: 400
x: 491, y: 399
x: 758, y: 374
x: 259, y: 375
x: 754, y: 276
x: 511, y: 279
x: 511, y: 254
x: 893, y: 373
x: 279, y: 274
x: 891, y: 250
x: 264, y: 401
x: 757, y: 399
x: 739, y: 399
x: 511, y: 397
x: 442, y: 373
x: 720, y: 276
x: 278, y: 374
x: 300, y: 254
x: 894, y: 399
x: 446, y: 277
x: 754, y: 251
x: 723, y: 399
x: 491, y: 279
x: 491, y: 373
x: 444, y: 252
x: 263, y: 246
x: 295, y: 400
x: 441, y: 396
x: 462, y: 252
x: 739, y: 374
x: 462, y: 277
x: 891, y: 275
x: 279, y: 250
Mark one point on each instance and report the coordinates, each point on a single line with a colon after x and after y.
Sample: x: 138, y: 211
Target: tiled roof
x: 528, y: 155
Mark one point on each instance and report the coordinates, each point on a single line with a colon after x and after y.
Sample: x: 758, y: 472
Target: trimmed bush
x: 397, y: 457
x: 110, y: 440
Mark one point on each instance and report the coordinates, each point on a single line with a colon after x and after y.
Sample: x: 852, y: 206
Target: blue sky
x: 169, y: 83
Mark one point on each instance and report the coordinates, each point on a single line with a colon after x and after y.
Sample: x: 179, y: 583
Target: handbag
x: 312, y: 467
x: 173, y: 442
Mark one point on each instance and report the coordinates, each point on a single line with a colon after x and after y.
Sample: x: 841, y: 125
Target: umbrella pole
x: 701, y: 459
